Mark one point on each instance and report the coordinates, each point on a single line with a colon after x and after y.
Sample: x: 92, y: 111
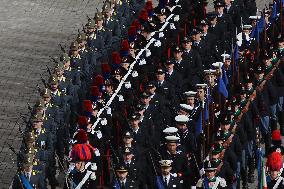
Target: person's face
x: 210, y: 174
x: 117, y: 77
x: 213, y: 21
x: 95, y: 112
x: 249, y: 85
x: 177, y: 55
x: 59, y: 73
x: 125, y: 65
x: 166, y: 170
x: 246, y: 31
x: 80, y: 165
x: 37, y: 124
x: 274, y: 174
x: 181, y: 126
x: 225, y: 127
x: 127, y: 140
x: 205, y: 28
x: 152, y: 90
x: 169, y: 67
x: 253, y: 23
x: 135, y: 123
x: 281, y: 45
x: 100, y: 23
x: 67, y: 64
x: 145, y: 101
x: 46, y: 99
x: 227, y: 63
x: 74, y: 52
x: 127, y: 157
x: 160, y: 76
x: 259, y: 76
x: 121, y: 175
x: 243, y: 96
x: 39, y: 110
x: 54, y: 86
x: 28, y: 168
x: 267, y: 62
x: 108, y: 14
x: 200, y: 93
x: 228, y: 2
x: 220, y: 10
x: 197, y: 37
x: 216, y: 156
x: 182, y: 112
x: 187, y: 45
x: 132, y: 52
x: 190, y: 101
x: 108, y: 88
x: 210, y: 78
x: 172, y: 147
x: 161, y: 17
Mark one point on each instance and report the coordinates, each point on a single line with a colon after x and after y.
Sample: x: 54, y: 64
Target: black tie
x: 166, y: 182
x: 122, y: 185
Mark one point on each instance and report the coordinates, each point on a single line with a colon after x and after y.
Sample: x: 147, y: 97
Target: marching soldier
x: 274, y: 164
x: 210, y: 180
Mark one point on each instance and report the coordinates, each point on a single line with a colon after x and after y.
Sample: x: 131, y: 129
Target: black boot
x: 251, y: 167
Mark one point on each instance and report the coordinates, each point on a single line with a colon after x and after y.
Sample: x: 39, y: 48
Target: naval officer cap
x: 190, y: 93
x: 170, y: 130
x: 172, y: 139
x: 181, y: 119
x: 185, y: 107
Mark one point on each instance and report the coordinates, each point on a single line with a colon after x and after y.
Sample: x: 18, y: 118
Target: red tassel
x: 169, y: 53
x: 194, y: 22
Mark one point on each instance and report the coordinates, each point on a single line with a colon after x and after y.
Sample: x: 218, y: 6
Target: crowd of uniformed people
x: 162, y: 97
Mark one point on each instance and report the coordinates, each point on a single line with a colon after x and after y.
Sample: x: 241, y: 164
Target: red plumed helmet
x: 99, y: 80
x: 88, y: 105
x: 124, y: 45
x: 143, y: 15
x: 106, y: 68
x: 81, y: 137
x: 149, y: 5
x: 132, y: 31
x: 136, y: 24
x: 82, y: 120
x: 95, y: 91
x: 276, y: 136
x: 274, y: 161
x: 116, y: 57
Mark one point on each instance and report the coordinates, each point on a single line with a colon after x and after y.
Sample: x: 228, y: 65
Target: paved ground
x: 30, y: 31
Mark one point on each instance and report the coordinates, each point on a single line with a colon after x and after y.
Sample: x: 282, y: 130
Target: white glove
x: 158, y: 43
x: 176, y: 18
x: 172, y: 26
x: 109, y: 111
x: 148, y: 52
x: 201, y: 172
x: 128, y: 84
x: 99, y: 134
x: 161, y: 34
x: 142, y: 62
x: 120, y: 98
x: 94, y: 167
x: 134, y: 73
x: 93, y: 176
x: 104, y: 121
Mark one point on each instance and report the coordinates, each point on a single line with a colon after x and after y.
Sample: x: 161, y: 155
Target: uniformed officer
x: 121, y: 180
x: 168, y: 178
x: 210, y: 180
x: 274, y: 164
x: 27, y: 177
